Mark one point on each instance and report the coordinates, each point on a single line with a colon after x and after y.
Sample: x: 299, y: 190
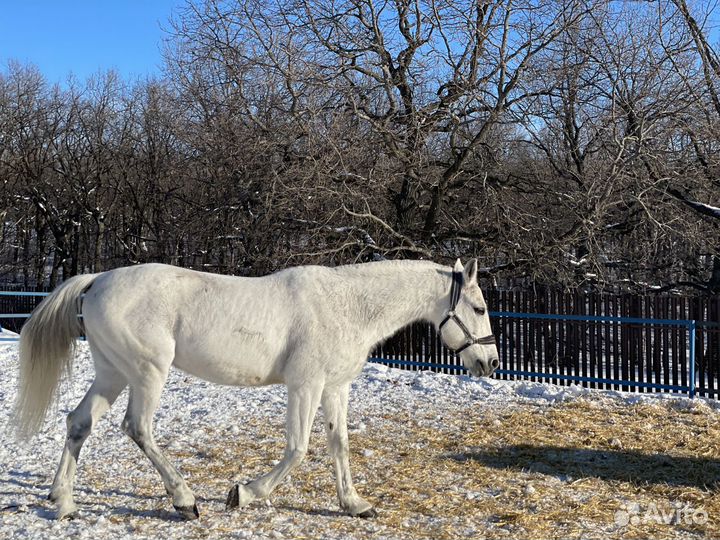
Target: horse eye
x: 480, y: 310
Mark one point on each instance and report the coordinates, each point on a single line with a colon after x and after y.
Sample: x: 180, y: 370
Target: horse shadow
x: 37, y: 503
x: 566, y: 463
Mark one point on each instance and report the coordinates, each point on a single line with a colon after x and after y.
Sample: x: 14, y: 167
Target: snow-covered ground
x: 218, y: 435
x: 6, y: 336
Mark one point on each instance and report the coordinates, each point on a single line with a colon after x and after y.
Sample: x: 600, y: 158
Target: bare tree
x: 572, y: 143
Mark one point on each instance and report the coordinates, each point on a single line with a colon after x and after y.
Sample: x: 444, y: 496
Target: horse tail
x: 47, y: 347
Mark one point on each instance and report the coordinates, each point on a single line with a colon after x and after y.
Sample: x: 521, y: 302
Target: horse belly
x: 227, y: 364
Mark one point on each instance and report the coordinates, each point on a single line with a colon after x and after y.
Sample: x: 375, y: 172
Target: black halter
x: 470, y: 340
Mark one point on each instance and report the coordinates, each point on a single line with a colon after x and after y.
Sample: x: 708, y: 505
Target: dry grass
x: 565, y: 472
x: 537, y: 471
x: 562, y: 471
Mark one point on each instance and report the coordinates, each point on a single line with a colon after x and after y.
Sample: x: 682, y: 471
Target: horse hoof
x: 188, y: 512
x: 239, y: 496
x: 66, y: 511
x: 367, y: 514
x: 233, y: 498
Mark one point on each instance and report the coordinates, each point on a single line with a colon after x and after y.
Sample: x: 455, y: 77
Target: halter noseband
x: 470, y: 340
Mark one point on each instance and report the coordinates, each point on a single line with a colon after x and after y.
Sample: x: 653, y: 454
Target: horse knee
x: 339, y: 445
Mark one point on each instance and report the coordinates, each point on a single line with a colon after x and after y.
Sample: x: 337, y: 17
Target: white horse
x: 310, y: 328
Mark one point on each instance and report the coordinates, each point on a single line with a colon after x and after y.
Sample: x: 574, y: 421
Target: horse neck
x: 390, y: 296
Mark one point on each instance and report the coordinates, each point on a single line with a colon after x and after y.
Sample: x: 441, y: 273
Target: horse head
x: 465, y: 326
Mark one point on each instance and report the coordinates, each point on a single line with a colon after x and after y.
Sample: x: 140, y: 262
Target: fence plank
x: 674, y: 340
x: 648, y: 335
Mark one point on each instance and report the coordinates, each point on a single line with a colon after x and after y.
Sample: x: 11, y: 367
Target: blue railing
x: 689, y: 325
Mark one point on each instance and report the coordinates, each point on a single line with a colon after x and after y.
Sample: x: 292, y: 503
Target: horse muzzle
x: 485, y: 368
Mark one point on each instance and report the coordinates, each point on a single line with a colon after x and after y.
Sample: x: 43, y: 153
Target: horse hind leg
x: 144, y: 399
x: 99, y: 398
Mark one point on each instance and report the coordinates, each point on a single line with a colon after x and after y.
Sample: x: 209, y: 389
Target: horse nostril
x: 495, y: 363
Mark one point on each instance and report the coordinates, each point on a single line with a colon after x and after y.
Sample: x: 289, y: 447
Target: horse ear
x: 471, y: 271
x: 458, y: 266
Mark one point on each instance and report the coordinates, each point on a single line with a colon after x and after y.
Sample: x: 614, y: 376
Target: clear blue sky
x: 84, y: 36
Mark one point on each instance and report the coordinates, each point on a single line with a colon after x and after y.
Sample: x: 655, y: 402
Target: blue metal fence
x: 17, y: 315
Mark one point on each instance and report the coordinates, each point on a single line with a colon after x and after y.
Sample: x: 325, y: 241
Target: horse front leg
x: 335, y: 404
x: 303, y: 403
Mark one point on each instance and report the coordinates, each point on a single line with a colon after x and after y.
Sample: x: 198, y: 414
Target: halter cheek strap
x: 470, y: 339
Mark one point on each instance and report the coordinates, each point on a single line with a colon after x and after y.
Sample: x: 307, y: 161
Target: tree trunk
x: 97, y: 248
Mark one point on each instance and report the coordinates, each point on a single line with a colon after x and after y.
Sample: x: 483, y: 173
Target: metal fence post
x: 691, y: 329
